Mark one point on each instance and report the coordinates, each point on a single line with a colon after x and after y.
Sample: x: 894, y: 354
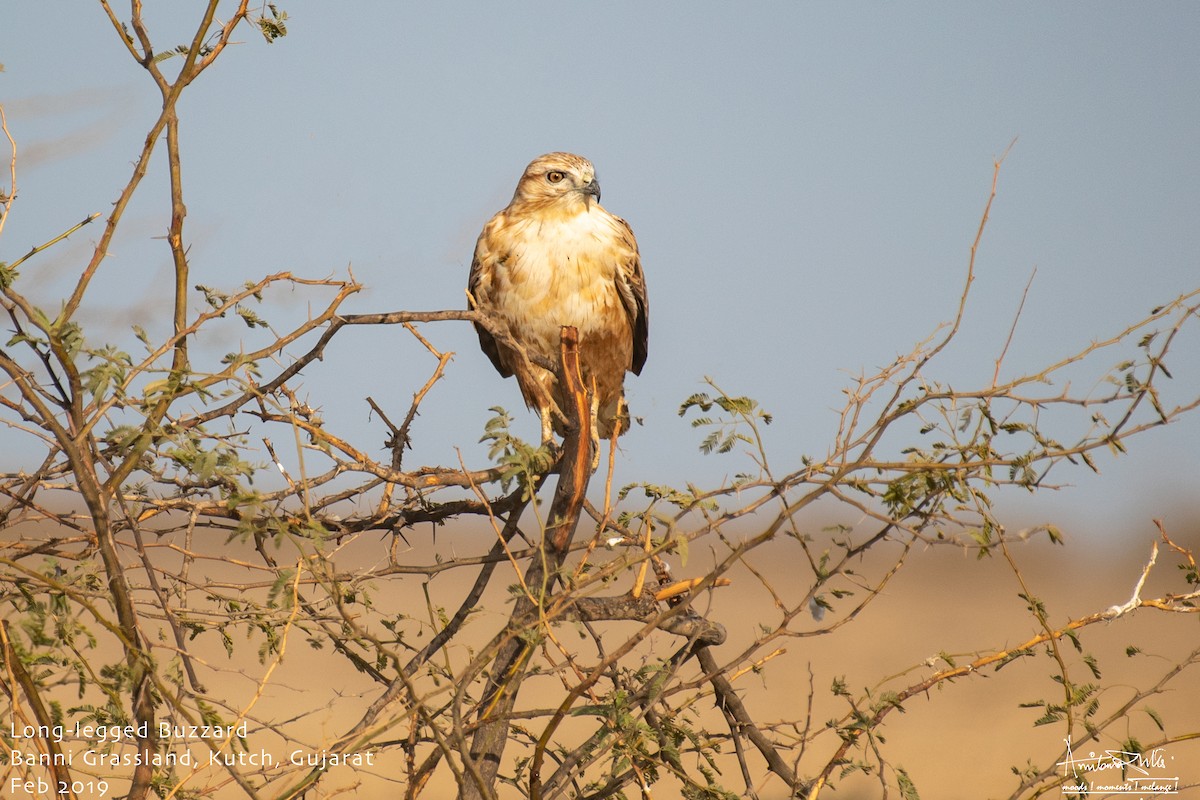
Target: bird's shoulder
x: 489, y: 249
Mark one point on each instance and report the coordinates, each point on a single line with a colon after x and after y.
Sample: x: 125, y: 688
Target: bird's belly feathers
x: 565, y: 276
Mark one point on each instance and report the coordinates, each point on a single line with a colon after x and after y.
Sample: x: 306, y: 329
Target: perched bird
x: 556, y: 257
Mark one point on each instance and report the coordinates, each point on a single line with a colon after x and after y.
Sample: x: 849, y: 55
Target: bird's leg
x: 547, y: 426
x: 595, y: 427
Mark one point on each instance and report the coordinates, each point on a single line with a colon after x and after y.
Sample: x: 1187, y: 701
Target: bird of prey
x: 556, y: 257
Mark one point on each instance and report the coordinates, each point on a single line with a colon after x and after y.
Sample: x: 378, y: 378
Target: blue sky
x: 805, y: 180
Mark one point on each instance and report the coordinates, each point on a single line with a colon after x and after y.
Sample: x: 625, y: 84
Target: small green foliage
x: 1010, y: 657
x: 110, y: 372
x: 219, y: 465
x: 252, y: 319
x: 142, y: 336
x: 710, y: 792
x: 1052, y: 713
x: 243, y: 363
x: 680, y: 545
x: 684, y: 500
x: 1082, y: 698
x: 519, y: 460
x: 1132, y: 745
x: 273, y: 27
x: 1154, y: 715
x: 220, y: 301
x: 168, y: 54
x: 908, y: 789
x: 983, y: 537
x: 214, y: 297
x: 182, y: 50
x: 22, y: 338
x: 68, y: 336
x: 888, y: 700
x: 738, y: 406
x: 739, y: 413
x: 636, y: 744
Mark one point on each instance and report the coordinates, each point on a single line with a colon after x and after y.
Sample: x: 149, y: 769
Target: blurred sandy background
x: 961, y: 740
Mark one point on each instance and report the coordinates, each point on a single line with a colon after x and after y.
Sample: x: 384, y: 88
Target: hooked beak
x: 591, y: 190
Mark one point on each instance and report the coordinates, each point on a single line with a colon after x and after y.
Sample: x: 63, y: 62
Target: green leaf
x: 908, y: 790
x: 590, y: 711
x: 251, y: 319
x: 681, y: 548
x: 275, y: 27
x: 699, y: 399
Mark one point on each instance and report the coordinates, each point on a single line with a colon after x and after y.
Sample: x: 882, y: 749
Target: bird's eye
x: 555, y: 176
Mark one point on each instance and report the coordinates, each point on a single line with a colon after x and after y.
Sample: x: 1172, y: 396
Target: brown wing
x: 631, y: 283
x: 482, y: 266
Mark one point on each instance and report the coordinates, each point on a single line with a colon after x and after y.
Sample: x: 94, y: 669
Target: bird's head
x: 559, y: 179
